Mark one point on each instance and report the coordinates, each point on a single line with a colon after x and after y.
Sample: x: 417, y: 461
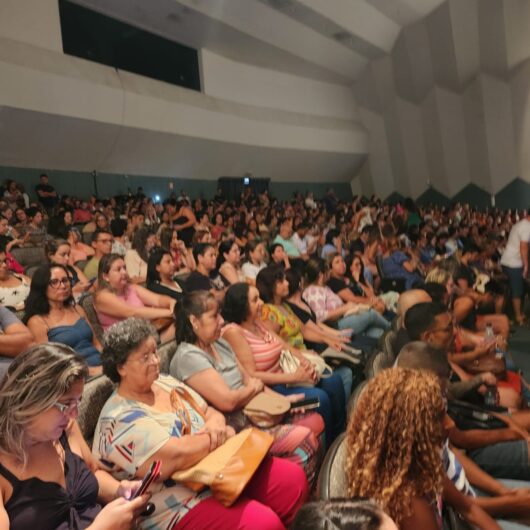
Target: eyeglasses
x: 67, y: 408
x: 55, y: 282
x: 152, y: 357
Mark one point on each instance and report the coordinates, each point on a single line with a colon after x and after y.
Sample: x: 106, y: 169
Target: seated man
x: 15, y: 337
x: 501, y: 452
x: 102, y: 244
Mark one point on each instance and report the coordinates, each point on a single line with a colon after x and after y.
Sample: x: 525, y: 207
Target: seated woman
x: 357, y: 289
x: 52, y: 315
x: 58, y: 252
x: 160, y: 273
x: 255, y: 251
x: 78, y: 250
x: 48, y: 477
x: 279, y: 256
x: 209, y: 365
x: 400, y: 264
x: 14, y: 288
x: 258, y: 350
x: 182, y: 257
x: 394, y: 446
x: 117, y: 299
x: 229, y: 262
x: 329, y: 307
x: 156, y: 416
x: 136, y: 258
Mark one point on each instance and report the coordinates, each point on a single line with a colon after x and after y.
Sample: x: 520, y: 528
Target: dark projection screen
x: 104, y: 40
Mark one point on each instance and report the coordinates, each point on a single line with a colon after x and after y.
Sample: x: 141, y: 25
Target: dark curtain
x: 232, y: 187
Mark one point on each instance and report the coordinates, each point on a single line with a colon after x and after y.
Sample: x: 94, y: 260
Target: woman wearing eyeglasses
x: 52, y: 315
x: 48, y: 477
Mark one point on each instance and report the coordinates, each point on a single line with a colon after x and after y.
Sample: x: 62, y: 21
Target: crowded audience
x: 288, y: 300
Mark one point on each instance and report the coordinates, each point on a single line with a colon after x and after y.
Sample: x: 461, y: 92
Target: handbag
x: 467, y: 416
x: 266, y: 409
x: 228, y: 469
x: 289, y: 364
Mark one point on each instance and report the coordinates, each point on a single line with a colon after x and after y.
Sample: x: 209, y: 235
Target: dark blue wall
x: 83, y: 185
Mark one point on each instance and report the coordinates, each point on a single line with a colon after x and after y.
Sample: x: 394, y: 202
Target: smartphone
x: 150, y: 477
x: 90, y: 283
x: 307, y: 404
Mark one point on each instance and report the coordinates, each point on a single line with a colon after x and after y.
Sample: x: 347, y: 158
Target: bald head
x: 408, y: 299
x: 417, y: 355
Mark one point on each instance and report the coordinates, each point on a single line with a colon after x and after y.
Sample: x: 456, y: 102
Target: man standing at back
x: 46, y: 193
x: 514, y: 263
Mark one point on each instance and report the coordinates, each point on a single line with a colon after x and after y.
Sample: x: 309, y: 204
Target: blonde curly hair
x: 395, y: 441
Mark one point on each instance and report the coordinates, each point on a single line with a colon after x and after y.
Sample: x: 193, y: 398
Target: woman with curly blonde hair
x: 394, y: 441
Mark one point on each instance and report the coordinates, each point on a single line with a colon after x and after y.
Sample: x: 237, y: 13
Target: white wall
x: 243, y: 83
x: 33, y: 21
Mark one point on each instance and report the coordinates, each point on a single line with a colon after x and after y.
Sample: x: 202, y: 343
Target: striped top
x: 265, y: 346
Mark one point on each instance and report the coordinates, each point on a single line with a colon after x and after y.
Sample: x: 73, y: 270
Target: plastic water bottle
x: 489, y: 335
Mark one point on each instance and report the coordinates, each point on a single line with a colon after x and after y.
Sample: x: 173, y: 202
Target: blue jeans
x: 346, y: 374
x: 370, y: 322
x: 330, y: 392
x: 504, y: 460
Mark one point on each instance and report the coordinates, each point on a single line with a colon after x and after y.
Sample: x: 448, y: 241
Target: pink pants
x: 269, y: 502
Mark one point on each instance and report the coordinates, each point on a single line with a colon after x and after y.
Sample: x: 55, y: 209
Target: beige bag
x: 266, y: 409
x: 229, y: 468
x: 289, y: 364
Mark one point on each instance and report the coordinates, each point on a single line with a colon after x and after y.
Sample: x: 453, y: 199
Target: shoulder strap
x: 8, y: 475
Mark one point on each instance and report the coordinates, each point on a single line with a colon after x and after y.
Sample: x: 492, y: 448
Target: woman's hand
x: 215, y: 427
x: 120, y: 514
x: 127, y: 488
x: 304, y: 375
x: 255, y: 384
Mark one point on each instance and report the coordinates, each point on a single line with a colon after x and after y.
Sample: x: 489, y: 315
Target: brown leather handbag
x: 229, y: 468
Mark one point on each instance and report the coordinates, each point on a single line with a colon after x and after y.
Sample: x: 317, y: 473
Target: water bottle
x: 489, y: 335
x: 491, y: 397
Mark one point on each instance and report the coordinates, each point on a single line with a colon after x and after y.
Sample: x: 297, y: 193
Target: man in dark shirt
x: 46, y: 193
x: 205, y: 277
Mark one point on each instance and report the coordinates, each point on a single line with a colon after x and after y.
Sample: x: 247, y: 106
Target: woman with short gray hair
x: 48, y: 478
x: 155, y: 417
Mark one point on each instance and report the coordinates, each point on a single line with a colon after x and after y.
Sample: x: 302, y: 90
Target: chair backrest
x: 354, y: 398
x: 166, y: 351
x: 87, y: 303
x: 378, y: 362
x: 332, y: 481
x: 95, y: 394
x: 30, y: 256
x: 389, y: 343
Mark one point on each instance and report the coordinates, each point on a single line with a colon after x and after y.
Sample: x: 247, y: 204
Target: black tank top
x: 40, y: 505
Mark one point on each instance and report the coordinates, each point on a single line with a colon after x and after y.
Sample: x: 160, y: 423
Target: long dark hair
x: 266, y: 281
x: 139, y: 242
x: 153, y: 276
x: 235, y: 307
x: 37, y: 302
x: 224, y: 248
x: 195, y: 303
